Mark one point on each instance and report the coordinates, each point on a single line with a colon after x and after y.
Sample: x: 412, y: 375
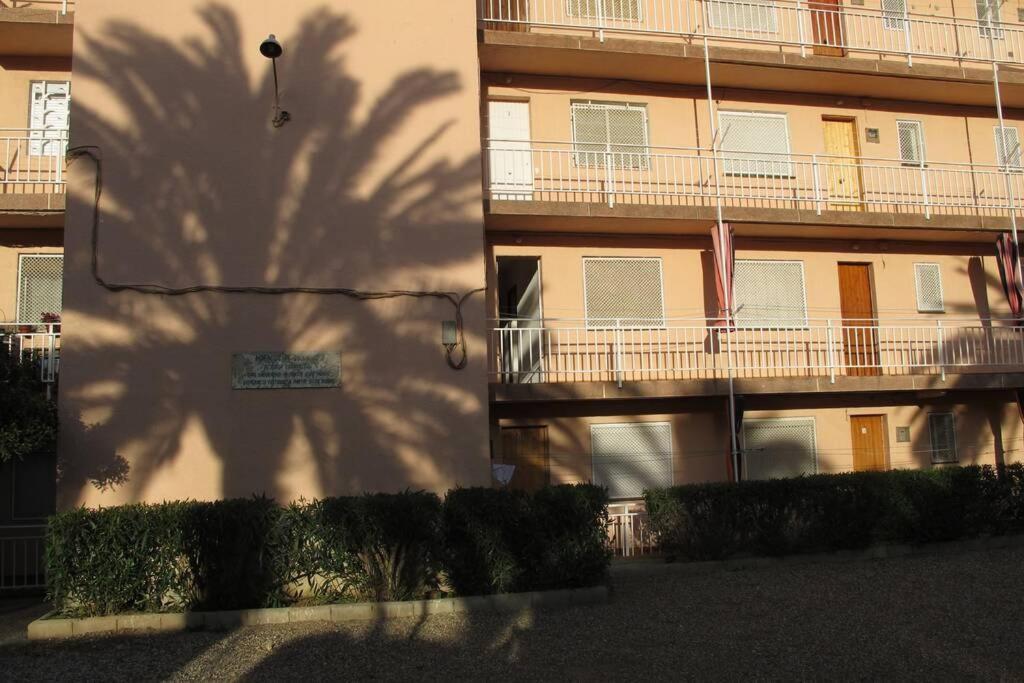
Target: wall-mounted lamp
x: 271, y: 49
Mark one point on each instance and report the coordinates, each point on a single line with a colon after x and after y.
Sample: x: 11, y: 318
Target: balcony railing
x: 533, y: 351
x: 564, y: 172
x: 37, y: 343
x: 793, y: 25
x: 62, y: 6
x: 32, y: 160
x: 629, y: 531
x: 22, y: 562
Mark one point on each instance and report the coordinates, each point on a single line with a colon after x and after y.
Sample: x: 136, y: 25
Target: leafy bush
x: 505, y: 541
x: 29, y: 424
x: 836, y: 511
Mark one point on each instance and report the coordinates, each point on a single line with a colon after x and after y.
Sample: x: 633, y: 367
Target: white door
x: 511, y: 163
x: 48, y: 117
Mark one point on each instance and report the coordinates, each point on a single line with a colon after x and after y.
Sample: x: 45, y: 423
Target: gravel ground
x: 936, y: 618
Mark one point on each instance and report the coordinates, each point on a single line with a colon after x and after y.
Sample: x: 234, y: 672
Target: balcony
x: 676, y: 183
x: 36, y: 28
x: 37, y: 344
x: 823, y: 355
x: 32, y: 177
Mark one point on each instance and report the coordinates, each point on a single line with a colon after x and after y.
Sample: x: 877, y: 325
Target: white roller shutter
x: 623, y: 292
x: 49, y: 115
x: 610, y: 134
x: 743, y: 16
x: 631, y: 458
x: 779, y: 448
x: 769, y: 294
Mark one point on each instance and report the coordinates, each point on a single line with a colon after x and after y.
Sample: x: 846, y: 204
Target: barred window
x: 40, y: 286
x: 625, y: 10
x: 911, y: 135
x: 614, y: 134
x: 1007, y: 148
x: 928, y: 284
x: 631, y: 458
x: 988, y: 18
x: 769, y: 294
x: 623, y: 292
x: 779, y: 447
x: 745, y: 16
x: 755, y: 144
x: 894, y: 14
x: 942, y: 431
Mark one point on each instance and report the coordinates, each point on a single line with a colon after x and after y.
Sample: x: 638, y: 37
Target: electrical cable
x: 457, y: 300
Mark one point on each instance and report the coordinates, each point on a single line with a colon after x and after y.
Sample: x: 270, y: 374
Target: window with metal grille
x: 769, y: 294
x: 631, y: 458
x: 1007, y: 147
x: 755, y: 144
x: 623, y: 292
x: 623, y: 10
x: 746, y: 16
x: 610, y: 134
x: 911, y: 134
x: 942, y: 431
x: 894, y: 14
x: 40, y: 286
x: 928, y: 283
x: 779, y: 447
x: 988, y: 18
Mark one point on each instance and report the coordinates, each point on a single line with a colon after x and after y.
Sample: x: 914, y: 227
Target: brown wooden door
x: 527, y: 449
x: 827, y: 27
x: 867, y: 434
x: 860, y: 334
x: 842, y: 167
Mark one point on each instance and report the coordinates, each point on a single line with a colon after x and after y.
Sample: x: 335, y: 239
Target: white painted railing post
x: 941, y: 349
x: 924, y: 190
x: 600, y: 20
x: 618, y: 353
x: 800, y: 28
x: 830, y: 342
x: 64, y: 7
x: 906, y: 37
x: 609, y: 179
x: 817, y: 183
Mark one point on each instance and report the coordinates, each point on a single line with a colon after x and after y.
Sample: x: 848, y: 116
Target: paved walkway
x: 924, y: 618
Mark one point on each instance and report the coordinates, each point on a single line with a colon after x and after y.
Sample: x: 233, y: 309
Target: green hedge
x: 239, y: 554
x: 836, y: 511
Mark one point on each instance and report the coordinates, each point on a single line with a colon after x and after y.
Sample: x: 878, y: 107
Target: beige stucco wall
x: 374, y: 184
x: 14, y: 243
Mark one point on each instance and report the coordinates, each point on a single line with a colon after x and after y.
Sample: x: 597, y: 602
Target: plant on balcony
x: 29, y: 423
x: 52, y: 319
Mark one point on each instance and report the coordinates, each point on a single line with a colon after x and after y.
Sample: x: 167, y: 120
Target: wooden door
x: 860, y: 332
x: 827, y: 27
x: 870, y: 444
x: 842, y: 168
x: 527, y: 449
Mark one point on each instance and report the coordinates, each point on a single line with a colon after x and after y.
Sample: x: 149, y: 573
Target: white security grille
x: 746, y: 16
x: 769, y: 294
x: 1007, y: 149
x: 631, y: 458
x: 777, y: 448
x: 988, y: 18
x: 40, y: 286
x: 894, y: 14
x: 942, y: 430
x: 610, y: 134
x: 755, y: 144
x: 911, y: 134
x: 625, y: 10
x: 928, y: 283
x: 625, y: 292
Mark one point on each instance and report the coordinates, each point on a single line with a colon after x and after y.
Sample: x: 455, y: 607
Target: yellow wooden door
x: 841, y: 165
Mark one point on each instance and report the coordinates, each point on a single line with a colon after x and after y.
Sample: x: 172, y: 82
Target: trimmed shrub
x: 836, y: 511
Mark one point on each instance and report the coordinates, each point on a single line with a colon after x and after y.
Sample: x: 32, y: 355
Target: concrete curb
x: 49, y: 628
x: 657, y: 565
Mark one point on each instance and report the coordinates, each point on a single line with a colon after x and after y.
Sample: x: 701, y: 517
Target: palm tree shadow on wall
x: 191, y: 124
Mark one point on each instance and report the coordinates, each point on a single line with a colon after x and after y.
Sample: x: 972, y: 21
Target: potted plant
x: 52, y: 319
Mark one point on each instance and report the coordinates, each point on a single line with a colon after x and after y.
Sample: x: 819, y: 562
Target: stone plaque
x: 281, y: 370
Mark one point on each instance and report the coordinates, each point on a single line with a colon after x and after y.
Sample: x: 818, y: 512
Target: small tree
x: 28, y: 419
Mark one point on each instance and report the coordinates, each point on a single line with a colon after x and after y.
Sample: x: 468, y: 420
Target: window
x: 48, y: 117
x: 928, y: 283
x: 625, y: 292
x: 911, y: 134
x: 626, y: 10
x: 1008, y: 148
x: 894, y: 14
x: 631, y: 458
x: 988, y: 18
x: 755, y: 144
x: 779, y: 447
x: 942, y: 431
x: 40, y: 285
x: 610, y: 133
x: 769, y: 294
x: 749, y: 16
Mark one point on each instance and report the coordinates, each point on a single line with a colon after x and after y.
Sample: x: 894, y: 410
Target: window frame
x: 795, y: 418
x: 790, y: 171
x: 604, y: 326
x: 618, y: 425
x: 643, y: 157
x: 931, y: 438
x: 774, y: 29
x: 1016, y: 167
x: 918, y: 266
x: 919, y: 125
x: 18, y: 283
x: 41, y: 142
x: 740, y: 325
x: 893, y: 20
x: 985, y: 23
x: 638, y: 17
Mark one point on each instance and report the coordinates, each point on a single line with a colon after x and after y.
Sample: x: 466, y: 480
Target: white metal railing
x: 562, y: 172
x: 32, y: 158
x: 34, y: 343
x: 795, y: 25
x: 62, y: 6
x: 614, y: 351
x: 628, y: 532
x: 22, y: 564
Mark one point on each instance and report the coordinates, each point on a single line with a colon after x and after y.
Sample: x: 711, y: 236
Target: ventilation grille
x: 928, y: 279
x: 911, y: 142
x: 755, y: 144
x: 773, y: 449
x: 747, y: 16
x: 623, y: 292
x: 769, y: 294
x: 942, y: 430
x: 632, y: 458
x: 624, y: 10
x: 610, y: 135
x: 40, y: 287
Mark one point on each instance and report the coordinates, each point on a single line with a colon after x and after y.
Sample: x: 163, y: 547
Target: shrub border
x: 49, y: 628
